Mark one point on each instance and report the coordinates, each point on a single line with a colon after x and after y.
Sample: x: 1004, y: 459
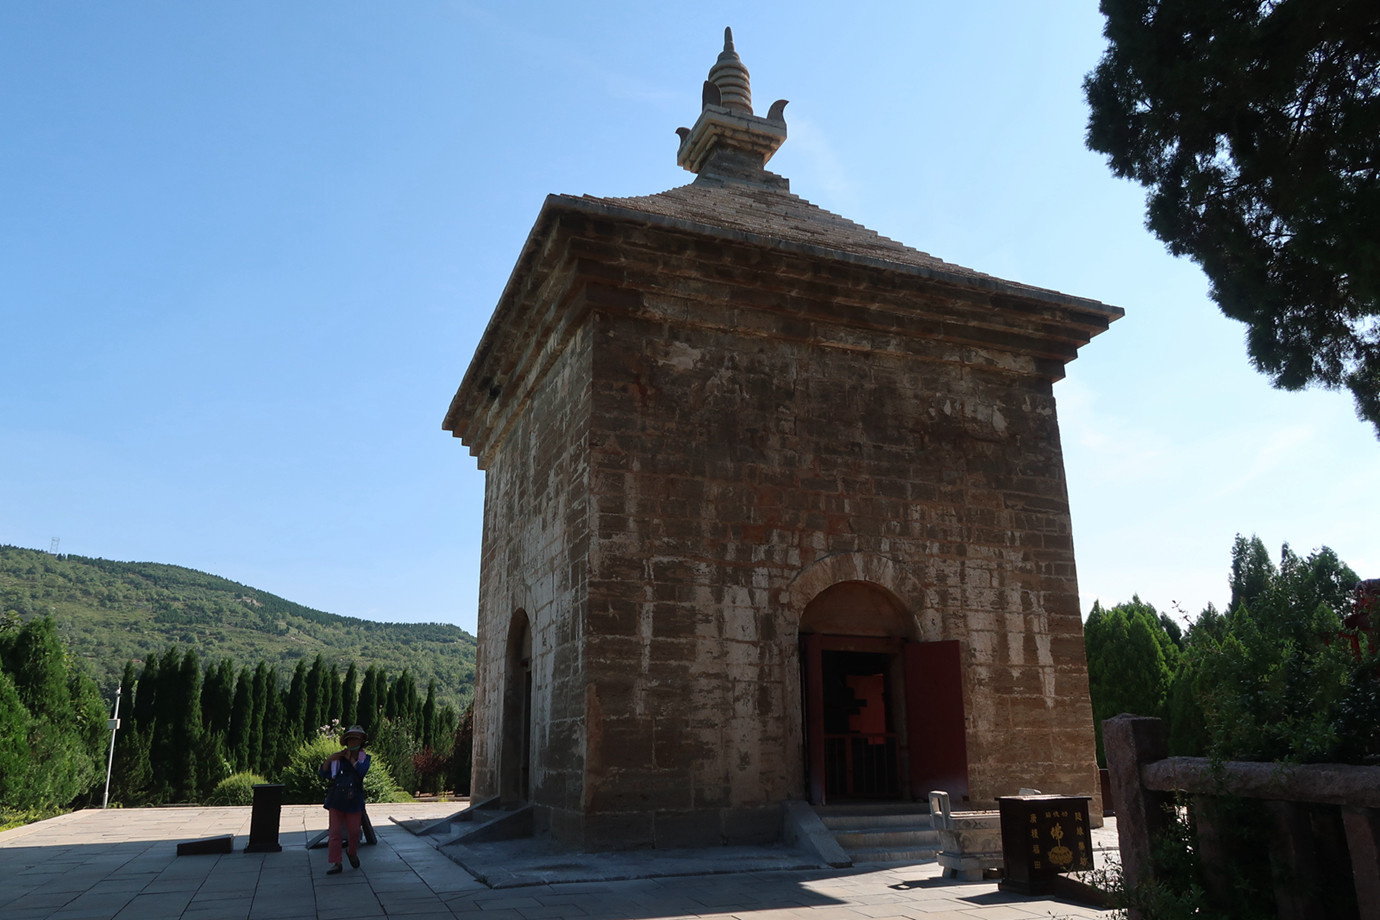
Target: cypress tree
x: 317, y: 696
x: 369, y: 702
x: 133, y: 770
x: 168, y: 700
x: 217, y: 696
x: 391, y: 702
x: 274, y: 749
x: 410, y: 703
x: 213, y: 763
x: 295, y: 713
x: 130, y: 772
x: 349, y: 696
x: 381, y: 688
x: 37, y: 663
x: 144, y: 706
x: 1131, y: 662
x: 241, y: 712
x: 90, y: 713
x: 54, y: 721
x: 333, y: 703
x: 258, y: 708
x: 1253, y: 125
x: 16, y: 759
x: 428, y: 733
x: 129, y: 681
x: 446, y: 720
x: 226, y: 681
x: 186, y: 738
x: 461, y: 758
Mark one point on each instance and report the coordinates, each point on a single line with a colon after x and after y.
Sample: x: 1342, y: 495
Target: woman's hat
x: 355, y: 731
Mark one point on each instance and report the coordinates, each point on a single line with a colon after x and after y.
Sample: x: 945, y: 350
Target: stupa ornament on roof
x: 727, y: 137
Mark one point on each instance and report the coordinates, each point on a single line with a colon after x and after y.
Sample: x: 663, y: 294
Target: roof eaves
x: 973, y: 281
x: 519, y: 278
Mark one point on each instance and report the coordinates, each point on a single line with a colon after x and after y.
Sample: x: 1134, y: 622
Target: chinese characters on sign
x: 1043, y: 837
x: 1059, y: 840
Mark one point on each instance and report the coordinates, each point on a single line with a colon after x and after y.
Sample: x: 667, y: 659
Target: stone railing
x: 1321, y: 817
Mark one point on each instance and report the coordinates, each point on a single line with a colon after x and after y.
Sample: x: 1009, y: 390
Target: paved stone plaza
x: 122, y: 863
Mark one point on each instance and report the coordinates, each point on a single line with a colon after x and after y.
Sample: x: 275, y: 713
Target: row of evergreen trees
x: 53, y: 734
x: 1279, y: 676
x: 185, y: 729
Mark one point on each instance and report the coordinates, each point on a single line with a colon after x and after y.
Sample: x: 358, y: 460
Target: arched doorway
x: 883, y: 712
x: 515, y: 753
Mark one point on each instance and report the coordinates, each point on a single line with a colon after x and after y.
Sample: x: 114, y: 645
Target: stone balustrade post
x: 1131, y: 741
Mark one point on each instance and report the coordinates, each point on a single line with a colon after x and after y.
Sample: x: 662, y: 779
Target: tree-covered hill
x: 111, y: 612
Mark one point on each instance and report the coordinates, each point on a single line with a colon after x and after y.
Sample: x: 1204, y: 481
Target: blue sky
x: 247, y: 250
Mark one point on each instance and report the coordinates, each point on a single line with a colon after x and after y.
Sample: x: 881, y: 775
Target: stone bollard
x: 264, y: 820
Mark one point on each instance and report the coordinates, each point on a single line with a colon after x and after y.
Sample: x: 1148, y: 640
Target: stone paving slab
x: 122, y: 863
x: 521, y: 863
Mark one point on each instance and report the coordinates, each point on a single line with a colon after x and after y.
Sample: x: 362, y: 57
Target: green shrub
x: 379, y: 785
x: 236, y: 789
x: 394, y: 741
x: 11, y: 819
x: 303, y: 785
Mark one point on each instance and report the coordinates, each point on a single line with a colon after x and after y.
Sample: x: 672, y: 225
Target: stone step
x: 884, y: 832
x: 910, y: 838
x: 847, y: 822
x: 874, y: 808
x: 489, y: 824
x: 463, y: 820
x: 893, y: 855
x: 475, y: 817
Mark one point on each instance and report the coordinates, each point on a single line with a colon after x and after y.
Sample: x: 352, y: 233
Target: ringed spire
x: 731, y: 78
x: 728, y: 137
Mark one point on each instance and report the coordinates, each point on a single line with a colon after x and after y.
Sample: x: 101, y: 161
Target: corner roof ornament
x: 727, y: 132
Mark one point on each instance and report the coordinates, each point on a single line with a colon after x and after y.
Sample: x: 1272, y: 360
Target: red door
x: 936, y: 735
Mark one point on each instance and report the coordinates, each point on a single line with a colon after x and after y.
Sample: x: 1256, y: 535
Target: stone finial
x: 727, y: 133
x: 731, y: 78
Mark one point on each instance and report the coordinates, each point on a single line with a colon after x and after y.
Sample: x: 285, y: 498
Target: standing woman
x: 345, y: 771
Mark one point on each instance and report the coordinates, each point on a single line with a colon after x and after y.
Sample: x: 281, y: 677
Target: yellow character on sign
x: 1060, y: 855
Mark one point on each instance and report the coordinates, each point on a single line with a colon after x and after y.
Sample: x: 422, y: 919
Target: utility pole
x: 113, y: 724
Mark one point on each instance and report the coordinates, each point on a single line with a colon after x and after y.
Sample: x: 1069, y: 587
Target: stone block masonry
x: 718, y: 422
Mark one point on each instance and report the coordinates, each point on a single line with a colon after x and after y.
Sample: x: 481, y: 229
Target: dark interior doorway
x: 515, y: 755
x: 884, y: 718
x: 861, y: 743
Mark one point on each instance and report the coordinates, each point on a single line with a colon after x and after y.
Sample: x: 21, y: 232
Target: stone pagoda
x: 774, y: 510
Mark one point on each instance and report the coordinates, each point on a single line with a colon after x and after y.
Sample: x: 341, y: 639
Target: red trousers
x: 342, y: 823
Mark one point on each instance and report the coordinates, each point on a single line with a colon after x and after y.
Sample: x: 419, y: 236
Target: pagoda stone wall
x: 763, y: 425
x: 534, y: 569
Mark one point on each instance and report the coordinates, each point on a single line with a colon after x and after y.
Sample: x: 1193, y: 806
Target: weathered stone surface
x: 697, y: 413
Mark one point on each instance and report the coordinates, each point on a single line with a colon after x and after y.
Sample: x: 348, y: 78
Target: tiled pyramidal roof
x: 773, y: 212
x: 728, y: 149
x: 735, y: 198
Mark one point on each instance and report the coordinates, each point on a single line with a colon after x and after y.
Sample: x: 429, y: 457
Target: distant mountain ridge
x: 110, y: 612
